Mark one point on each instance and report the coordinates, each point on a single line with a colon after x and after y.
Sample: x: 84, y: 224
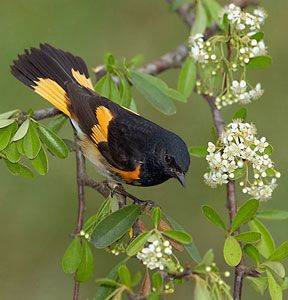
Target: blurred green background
x: 36, y: 216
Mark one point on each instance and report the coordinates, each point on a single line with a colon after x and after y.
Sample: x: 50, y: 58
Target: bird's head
x: 176, y: 158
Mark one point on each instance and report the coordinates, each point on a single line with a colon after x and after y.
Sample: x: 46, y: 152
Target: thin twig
x: 80, y: 171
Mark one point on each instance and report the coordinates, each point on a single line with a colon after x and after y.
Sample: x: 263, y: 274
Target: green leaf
x: 19, y: 169
x: 31, y: 142
x: 12, y: 153
x: 22, y: 130
x: 200, y: 23
x: 252, y: 252
x: 214, y: 8
x: 276, y: 268
x: 154, y: 90
x: 280, y: 253
x: 8, y: 114
x: 259, y: 62
x: 248, y: 237
x: 114, y: 226
x: 232, y: 251
x: 239, y: 173
x: 137, y: 60
x: 125, y: 93
x: 258, y: 36
x: 5, y: 135
x: 273, y: 215
x: 260, y: 284
x: 156, y: 216
x: 53, y: 142
x: 266, y: 245
x: 114, y: 93
x: 208, y: 258
x: 57, y: 123
x: 20, y: 147
x: 86, y: 266
x: 190, y: 248
x: 285, y: 284
x: 153, y: 296
x: 104, y: 291
x: 103, y: 86
x: 40, y: 162
x: 124, y: 275
x: 240, y: 114
x: 187, y: 77
x: 107, y: 281
x: 245, y: 213
x: 275, y: 289
x: 174, y: 94
x: 6, y: 122
x: 137, y: 244
x: 72, y: 257
x: 178, y: 3
x: 198, y: 151
x: 213, y: 217
x: 178, y: 235
x: 268, y: 150
x: 157, y: 281
x: 201, y: 289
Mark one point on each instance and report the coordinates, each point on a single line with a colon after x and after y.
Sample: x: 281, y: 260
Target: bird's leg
x: 119, y: 189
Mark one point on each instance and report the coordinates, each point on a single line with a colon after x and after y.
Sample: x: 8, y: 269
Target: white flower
x: 258, y: 49
x: 257, y: 92
x: 238, y: 148
x: 238, y: 87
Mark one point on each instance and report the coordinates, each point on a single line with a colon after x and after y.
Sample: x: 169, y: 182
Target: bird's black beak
x: 181, y: 178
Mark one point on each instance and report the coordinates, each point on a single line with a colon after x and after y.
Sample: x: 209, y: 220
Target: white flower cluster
x: 237, y: 150
x: 157, y: 255
x: 244, y: 21
x: 201, y: 51
x: 239, y: 94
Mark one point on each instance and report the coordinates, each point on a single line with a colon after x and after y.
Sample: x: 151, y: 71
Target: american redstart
x: 124, y: 146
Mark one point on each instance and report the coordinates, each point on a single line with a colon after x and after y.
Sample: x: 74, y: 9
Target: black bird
x: 124, y: 146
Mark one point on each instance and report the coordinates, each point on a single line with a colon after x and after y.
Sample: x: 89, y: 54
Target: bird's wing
x: 120, y: 135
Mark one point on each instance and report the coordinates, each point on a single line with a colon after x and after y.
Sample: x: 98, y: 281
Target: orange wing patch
x: 82, y: 79
x: 53, y: 92
x: 130, y: 176
x: 100, y: 130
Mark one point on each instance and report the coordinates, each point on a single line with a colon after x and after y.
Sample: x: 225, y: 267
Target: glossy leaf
x: 248, y: 237
x: 280, y: 253
x: 190, y: 248
x: 156, y: 216
x: 22, y: 130
x: 125, y: 92
x: 6, y: 122
x: 259, y: 62
x: 214, y: 9
x: 266, y: 245
x: 5, y: 135
x: 86, y: 266
x: 200, y: 152
x: 124, y: 275
x: 53, y: 142
x: 114, y: 226
x: 8, y: 114
x: 106, y: 281
x: 176, y: 95
x: 57, y: 123
x: 31, y: 142
x: 103, y: 86
x: 154, y: 90
x: 276, y: 268
x: 273, y: 215
x: 213, y: 216
x: 12, y: 153
x: 275, y: 289
x: 72, y: 257
x: 137, y: 244
x: 260, y: 284
x: 40, y: 162
x: 245, y: 213
x: 232, y: 251
x: 258, y: 36
x: 200, y: 23
x: 19, y: 169
x: 157, y: 281
x: 178, y: 235
x: 240, y: 114
x: 187, y: 77
x: 252, y: 252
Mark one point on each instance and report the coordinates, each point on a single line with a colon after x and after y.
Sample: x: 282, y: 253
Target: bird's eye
x: 168, y: 159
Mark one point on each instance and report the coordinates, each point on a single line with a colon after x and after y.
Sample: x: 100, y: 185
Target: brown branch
x: 80, y: 173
